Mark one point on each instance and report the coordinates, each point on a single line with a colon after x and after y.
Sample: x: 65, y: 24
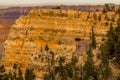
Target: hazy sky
x: 19, y: 2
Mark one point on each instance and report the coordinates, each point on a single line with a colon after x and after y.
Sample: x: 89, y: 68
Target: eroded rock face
x: 56, y: 29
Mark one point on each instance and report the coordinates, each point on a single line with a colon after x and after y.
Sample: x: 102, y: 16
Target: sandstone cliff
x: 56, y: 29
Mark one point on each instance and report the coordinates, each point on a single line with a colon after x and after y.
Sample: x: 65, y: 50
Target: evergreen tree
x: 93, y: 40
x: 117, y: 45
x: 46, y: 77
x: 117, y: 52
x: 117, y: 29
x: 74, y: 60
x: 89, y: 68
x: 99, y: 18
x: 47, y: 48
x: 111, y: 40
x: 10, y: 76
x: 111, y: 31
x: 52, y: 75
x: 19, y: 74
x: 107, y: 7
x: 104, y: 69
x: 69, y: 70
x: 15, y: 66
x: 52, y: 54
x: 2, y: 70
x: 60, y: 69
x: 104, y: 11
x: 29, y: 74
x: 48, y: 59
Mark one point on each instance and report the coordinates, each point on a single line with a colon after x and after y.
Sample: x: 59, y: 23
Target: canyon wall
x: 34, y: 37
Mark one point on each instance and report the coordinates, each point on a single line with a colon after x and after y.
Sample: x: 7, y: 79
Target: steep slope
x: 54, y: 29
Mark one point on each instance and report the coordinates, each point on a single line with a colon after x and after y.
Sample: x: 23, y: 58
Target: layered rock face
x: 9, y: 15
x: 33, y: 37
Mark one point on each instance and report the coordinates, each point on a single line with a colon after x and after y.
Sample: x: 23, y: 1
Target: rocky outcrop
x: 9, y: 15
x: 33, y: 37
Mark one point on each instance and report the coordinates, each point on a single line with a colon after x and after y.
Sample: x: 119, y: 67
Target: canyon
x: 34, y: 37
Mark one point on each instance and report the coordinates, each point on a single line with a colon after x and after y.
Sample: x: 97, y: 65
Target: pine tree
x: 46, y: 48
x: 104, y: 11
x: 61, y: 69
x: 11, y: 76
x: 99, y: 18
x: 2, y: 70
x: 74, y: 60
x: 117, y: 52
x: 111, y: 31
x: 117, y: 45
x: 52, y: 54
x: 69, y: 70
x: 117, y: 29
x: 107, y: 7
x: 93, y: 40
x: 19, y: 74
x: 46, y: 77
x: 15, y: 66
x: 104, y: 69
x: 29, y: 74
x: 111, y: 40
x: 89, y: 68
x: 48, y: 59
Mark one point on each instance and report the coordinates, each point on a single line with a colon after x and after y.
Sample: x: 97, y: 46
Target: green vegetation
x: 93, y: 41
x: 89, y: 68
x: 104, y: 68
x: 71, y: 71
x: 16, y: 74
x: 107, y: 8
x: 29, y: 74
x: 20, y: 77
x: 108, y: 51
x: 117, y: 52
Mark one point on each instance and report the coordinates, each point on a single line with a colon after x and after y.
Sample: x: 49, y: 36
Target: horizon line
x: 3, y: 6
x: 45, y: 4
